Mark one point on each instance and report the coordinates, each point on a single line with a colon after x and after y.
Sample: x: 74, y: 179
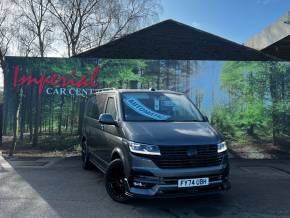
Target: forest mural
x: 248, y: 102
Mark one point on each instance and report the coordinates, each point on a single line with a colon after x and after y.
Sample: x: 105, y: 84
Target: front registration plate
x: 182, y: 183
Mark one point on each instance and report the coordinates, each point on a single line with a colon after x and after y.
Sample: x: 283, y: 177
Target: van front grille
x: 188, y: 156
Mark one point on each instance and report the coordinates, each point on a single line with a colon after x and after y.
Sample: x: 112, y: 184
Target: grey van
x: 152, y: 143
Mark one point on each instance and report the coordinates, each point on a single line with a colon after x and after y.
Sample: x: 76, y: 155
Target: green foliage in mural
x: 258, y: 106
x: 119, y: 73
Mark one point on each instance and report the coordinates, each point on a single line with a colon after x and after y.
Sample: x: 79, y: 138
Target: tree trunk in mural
x: 72, y: 114
x: 167, y: 72
x: 81, y: 115
x: 273, y: 92
x: 1, y: 126
x: 22, y: 117
x: 15, y: 127
x: 51, y: 115
x: 16, y: 121
x: 40, y: 117
x: 36, y: 120
x: 198, y: 98
x: 5, y: 107
x: 158, y: 75
x: 60, y: 115
x: 5, y: 116
x: 30, y: 117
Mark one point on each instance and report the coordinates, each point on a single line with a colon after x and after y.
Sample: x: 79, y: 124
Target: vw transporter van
x: 152, y: 143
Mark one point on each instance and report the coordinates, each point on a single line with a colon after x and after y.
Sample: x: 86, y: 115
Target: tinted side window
x: 99, y: 105
x: 111, y: 108
x: 95, y: 110
x: 95, y: 106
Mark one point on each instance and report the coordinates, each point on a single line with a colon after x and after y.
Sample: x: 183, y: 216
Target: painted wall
x: 248, y: 102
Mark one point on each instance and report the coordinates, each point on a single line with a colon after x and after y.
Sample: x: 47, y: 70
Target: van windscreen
x: 157, y: 106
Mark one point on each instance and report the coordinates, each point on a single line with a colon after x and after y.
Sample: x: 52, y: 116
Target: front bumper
x: 149, y: 181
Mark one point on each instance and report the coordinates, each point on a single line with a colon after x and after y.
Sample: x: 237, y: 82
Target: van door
x: 97, y: 129
x: 111, y: 132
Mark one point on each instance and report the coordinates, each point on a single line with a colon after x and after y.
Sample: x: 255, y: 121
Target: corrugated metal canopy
x: 173, y: 40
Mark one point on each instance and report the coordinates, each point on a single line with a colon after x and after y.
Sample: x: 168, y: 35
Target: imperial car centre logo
x: 56, y: 84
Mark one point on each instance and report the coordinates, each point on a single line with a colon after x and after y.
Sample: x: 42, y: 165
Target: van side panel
x: 93, y: 128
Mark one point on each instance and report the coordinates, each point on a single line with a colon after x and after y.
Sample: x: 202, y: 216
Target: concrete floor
x: 260, y: 188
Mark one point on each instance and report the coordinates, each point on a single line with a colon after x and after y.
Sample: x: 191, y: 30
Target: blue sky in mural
x: 236, y: 20
x: 207, y: 81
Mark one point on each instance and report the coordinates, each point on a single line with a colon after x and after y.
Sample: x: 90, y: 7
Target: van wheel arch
x: 115, y: 156
x: 117, y: 153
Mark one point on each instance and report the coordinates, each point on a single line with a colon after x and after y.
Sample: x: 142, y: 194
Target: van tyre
x: 115, y: 182
x: 86, y: 164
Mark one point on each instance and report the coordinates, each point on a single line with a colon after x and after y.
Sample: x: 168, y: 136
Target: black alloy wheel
x: 116, y: 183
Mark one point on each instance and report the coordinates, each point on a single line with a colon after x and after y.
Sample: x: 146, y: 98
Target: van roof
x: 107, y: 90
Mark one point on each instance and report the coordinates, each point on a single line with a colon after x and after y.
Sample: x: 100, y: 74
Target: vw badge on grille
x: 191, y: 152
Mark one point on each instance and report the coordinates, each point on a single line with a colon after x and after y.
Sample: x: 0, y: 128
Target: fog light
x: 139, y: 184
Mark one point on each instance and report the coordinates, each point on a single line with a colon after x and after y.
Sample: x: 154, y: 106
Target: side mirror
x: 205, y: 118
x: 107, y: 119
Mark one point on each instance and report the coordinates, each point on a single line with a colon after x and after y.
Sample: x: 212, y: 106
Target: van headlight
x: 222, y: 147
x: 140, y: 148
